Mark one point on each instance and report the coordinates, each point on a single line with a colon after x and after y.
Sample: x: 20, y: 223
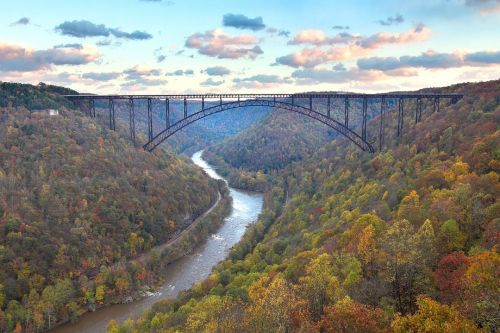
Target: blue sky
x: 180, y: 46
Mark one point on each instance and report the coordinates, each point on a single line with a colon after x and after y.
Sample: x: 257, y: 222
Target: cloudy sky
x: 177, y: 46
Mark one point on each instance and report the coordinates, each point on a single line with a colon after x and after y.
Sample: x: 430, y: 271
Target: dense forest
x: 77, y: 203
x: 281, y: 138
x: 404, y: 240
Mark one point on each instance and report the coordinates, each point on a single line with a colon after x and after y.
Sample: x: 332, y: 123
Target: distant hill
x: 41, y: 96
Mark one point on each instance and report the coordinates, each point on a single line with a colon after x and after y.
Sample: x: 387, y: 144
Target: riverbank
x: 158, y: 258
x: 191, y: 265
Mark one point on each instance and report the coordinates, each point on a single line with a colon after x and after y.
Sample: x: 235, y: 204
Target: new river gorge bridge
x: 319, y: 106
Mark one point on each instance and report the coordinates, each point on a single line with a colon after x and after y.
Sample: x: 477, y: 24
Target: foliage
x: 350, y: 241
x: 432, y: 317
x: 77, y: 204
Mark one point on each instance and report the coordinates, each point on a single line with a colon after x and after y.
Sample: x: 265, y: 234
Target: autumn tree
x: 351, y: 317
x: 433, y: 317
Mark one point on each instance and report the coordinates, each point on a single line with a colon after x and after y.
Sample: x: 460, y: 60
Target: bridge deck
x: 248, y: 96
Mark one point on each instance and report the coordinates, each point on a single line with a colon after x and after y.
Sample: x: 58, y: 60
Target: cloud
x: 136, y: 35
x: 23, y: 59
x: 104, y: 42
x: 341, y: 27
x: 181, y: 72
x: 84, y: 28
x: 392, y: 20
x: 240, y: 21
x: 351, y: 46
x: 161, y: 58
x: 140, y: 73
x: 21, y: 21
x: 281, y: 33
x: 216, y: 43
x: 313, y: 76
x: 430, y: 60
x: 217, y: 71
x: 485, y: 7
x: 418, y: 33
x: 318, y: 37
x: 339, y: 67
x: 70, y: 45
x: 212, y: 82
x: 260, y: 81
x: 284, y: 33
x: 137, y: 83
x: 100, y: 76
x: 483, y: 57
x: 262, y: 78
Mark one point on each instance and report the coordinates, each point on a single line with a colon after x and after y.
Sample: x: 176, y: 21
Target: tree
x: 49, y: 301
x: 404, y: 271
x: 424, y: 242
x: 449, y: 276
x: 433, y: 317
x: 481, y: 285
x: 450, y: 237
x: 348, y: 316
x: 410, y: 209
x: 274, y: 307
x: 319, y: 286
x: 2, y: 296
x: 100, y: 293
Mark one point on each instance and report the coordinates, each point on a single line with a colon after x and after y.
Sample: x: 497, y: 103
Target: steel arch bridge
x: 289, y: 102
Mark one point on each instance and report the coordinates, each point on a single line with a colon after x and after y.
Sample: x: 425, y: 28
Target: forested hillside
x: 405, y: 240
x: 77, y: 201
x: 274, y: 142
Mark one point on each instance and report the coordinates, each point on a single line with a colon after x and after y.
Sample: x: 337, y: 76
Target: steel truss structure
x: 215, y: 103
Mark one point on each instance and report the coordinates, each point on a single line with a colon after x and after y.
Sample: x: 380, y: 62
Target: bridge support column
x: 365, y: 111
x: 381, y: 130
x: 185, y: 108
x: 112, y: 114
x: 310, y: 103
x: 436, y: 104
x: 89, y: 107
x: 328, y: 108
x: 346, y: 112
x: 203, y: 103
x: 418, y: 110
x: 92, y: 108
x: 132, y: 119
x: 150, y: 120
x: 167, y: 113
x: 400, y: 116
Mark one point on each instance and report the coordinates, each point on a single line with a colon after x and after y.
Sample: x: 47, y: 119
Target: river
x: 181, y: 274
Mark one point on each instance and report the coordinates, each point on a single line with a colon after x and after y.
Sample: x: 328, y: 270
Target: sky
x: 196, y: 46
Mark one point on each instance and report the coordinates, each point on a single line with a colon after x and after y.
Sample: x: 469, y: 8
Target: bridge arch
x: 311, y: 113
